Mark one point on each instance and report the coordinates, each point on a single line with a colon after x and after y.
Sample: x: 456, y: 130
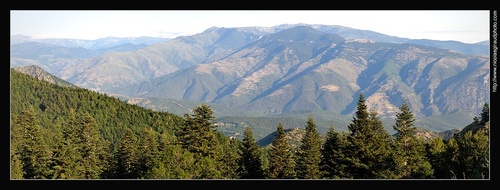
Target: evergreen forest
x: 60, y: 132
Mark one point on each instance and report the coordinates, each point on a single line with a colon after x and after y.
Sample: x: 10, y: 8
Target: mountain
x: 480, y: 48
x: 302, y: 69
x: 98, y: 44
x: 288, y: 69
x: 40, y: 74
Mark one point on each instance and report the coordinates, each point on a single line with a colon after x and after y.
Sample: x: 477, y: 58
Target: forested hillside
x: 72, y: 133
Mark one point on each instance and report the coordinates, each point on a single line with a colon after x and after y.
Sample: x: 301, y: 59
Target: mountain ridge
x: 237, y: 67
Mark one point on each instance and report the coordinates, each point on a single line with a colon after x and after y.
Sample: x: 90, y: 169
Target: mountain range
x: 275, y: 71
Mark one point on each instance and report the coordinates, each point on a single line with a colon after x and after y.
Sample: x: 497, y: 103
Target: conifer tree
x: 67, y: 157
x: 173, y: 162
x: 435, y: 153
x: 32, y: 149
x: 250, y: 163
x: 309, y: 153
x: 409, y: 152
x: 92, y: 149
x: 16, y: 167
x: 147, y: 150
x: 485, y: 114
x: 127, y: 161
x: 198, y: 132
x: 451, y: 158
x: 472, y: 160
x: 199, y: 136
x: 230, y: 157
x: 369, y: 149
x: 333, y: 160
x: 281, y: 160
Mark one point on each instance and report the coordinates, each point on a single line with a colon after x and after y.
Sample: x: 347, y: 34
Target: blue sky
x: 465, y: 26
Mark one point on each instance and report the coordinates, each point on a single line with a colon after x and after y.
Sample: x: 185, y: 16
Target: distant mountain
x: 40, y: 74
x: 287, y: 69
x: 304, y: 69
x: 98, y: 44
x: 480, y: 48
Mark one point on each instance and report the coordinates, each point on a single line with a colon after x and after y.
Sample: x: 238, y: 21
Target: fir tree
x: 67, y: 157
x: 309, y: 153
x: 472, y: 160
x: 435, y: 153
x: 281, y: 161
x: 92, y: 149
x: 198, y: 132
x: 250, y: 163
x: 333, y: 160
x: 409, y: 152
x: 32, y: 149
x: 369, y: 150
x: 485, y: 114
x: 126, y: 157
x: 199, y: 136
x: 230, y: 157
x: 147, y: 151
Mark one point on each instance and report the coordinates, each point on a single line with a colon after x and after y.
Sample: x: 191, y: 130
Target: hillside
x: 53, y: 102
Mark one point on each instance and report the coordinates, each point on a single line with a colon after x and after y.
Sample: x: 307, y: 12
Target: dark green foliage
x: 147, y: 151
x: 485, y: 114
x: 110, y: 114
x: 436, y: 155
x: 250, y: 163
x: 309, y: 153
x: 127, y: 157
x: 409, y: 152
x: 472, y: 160
x: 281, y: 160
x: 467, y: 153
x: 368, y: 153
x: 198, y: 132
x: 174, y: 163
x: 333, y: 160
x: 198, y: 135
x: 92, y: 148
x: 67, y: 157
x: 230, y: 157
x: 29, y: 147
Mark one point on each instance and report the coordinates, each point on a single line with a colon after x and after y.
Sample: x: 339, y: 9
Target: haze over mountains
x: 274, y: 71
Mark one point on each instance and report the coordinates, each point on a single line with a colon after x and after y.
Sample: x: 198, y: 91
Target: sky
x: 465, y: 26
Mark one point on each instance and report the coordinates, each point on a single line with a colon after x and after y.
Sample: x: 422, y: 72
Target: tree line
x: 75, y: 145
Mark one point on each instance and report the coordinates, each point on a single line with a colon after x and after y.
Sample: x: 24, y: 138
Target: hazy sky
x: 465, y: 26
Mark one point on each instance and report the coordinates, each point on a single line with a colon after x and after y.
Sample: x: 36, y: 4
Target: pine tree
x: 67, y: 157
x: 173, y: 162
x: 198, y: 132
x: 485, y: 114
x: 147, y: 150
x: 281, y: 161
x: 369, y: 150
x: 199, y: 136
x: 92, y: 149
x: 309, y: 153
x: 126, y: 156
x: 333, y: 160
x: 230, y: 157
x: 16, y: 167
x: 409, y: 152
x: 435, y: 153
x: 472, y: 160
x: 30, y: 147
x: 250, y: 163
